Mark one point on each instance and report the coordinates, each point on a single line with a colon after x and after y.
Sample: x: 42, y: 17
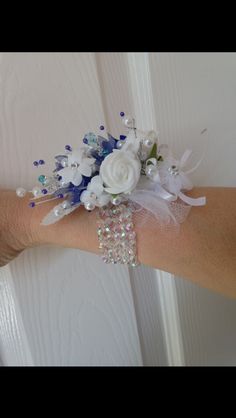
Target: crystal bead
x: 129, y: 226
x: 117, y: 238
x: 42, y: 178
x: 132, y: 235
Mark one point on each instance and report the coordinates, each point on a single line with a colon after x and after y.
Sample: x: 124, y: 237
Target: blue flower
x: 106, y: 146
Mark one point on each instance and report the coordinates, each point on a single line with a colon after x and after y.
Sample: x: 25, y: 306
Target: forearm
x: 204, y: 251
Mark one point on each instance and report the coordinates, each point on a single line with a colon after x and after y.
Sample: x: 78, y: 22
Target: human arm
x: 204, y: 251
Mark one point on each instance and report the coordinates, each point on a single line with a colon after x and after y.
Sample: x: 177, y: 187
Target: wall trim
x: 14, y: 347
x: 141, y: 88
x: 170, y: 318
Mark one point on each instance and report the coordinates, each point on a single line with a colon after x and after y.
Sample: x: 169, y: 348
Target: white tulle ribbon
x: 176, y: 183
x: 155, y: 196
x: 198, y: 201
x: 154, y: 204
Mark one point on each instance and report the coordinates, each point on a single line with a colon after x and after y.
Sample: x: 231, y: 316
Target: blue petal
x: 111, y: 138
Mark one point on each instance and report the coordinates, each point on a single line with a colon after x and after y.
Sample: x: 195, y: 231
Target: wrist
x: 15, y: 232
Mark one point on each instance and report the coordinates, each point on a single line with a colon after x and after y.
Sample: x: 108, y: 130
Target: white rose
x: 120, y: 172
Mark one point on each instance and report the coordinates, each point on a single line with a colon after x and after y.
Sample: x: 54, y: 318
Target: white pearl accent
x: 36, y: 191
x: 148, y: 142
x: 116, y: 200
x: 21, y: 192
x: 119, y: 144
x: 89, y: 205
x: 128, y: 121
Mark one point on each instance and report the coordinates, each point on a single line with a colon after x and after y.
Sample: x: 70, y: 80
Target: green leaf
x: 153, y: 153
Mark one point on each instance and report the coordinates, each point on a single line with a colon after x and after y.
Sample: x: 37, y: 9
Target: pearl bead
x: 116, y: 200
x: 21, y: 192
x: 119, y: 144
x: 36, y: 191
x: 148, y: 142
x: 128, y: 121
x: 89, y: 206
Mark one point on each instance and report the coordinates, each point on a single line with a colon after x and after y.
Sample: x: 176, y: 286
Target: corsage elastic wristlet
x: 118, y: 176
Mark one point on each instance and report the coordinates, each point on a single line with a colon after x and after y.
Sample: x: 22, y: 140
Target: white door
x: 64, y: 306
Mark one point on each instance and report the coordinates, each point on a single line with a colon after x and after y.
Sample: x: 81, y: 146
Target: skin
x: 204, y: 251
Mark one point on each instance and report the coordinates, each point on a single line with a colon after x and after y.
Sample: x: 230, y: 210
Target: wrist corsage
x: 119, y: 176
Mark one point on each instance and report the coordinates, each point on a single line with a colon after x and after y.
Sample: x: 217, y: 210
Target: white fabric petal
x: 89, y: 161
x: 77, y: 178
x: 66, y: 174
x: 85, y: 169
x: 75, y: 156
